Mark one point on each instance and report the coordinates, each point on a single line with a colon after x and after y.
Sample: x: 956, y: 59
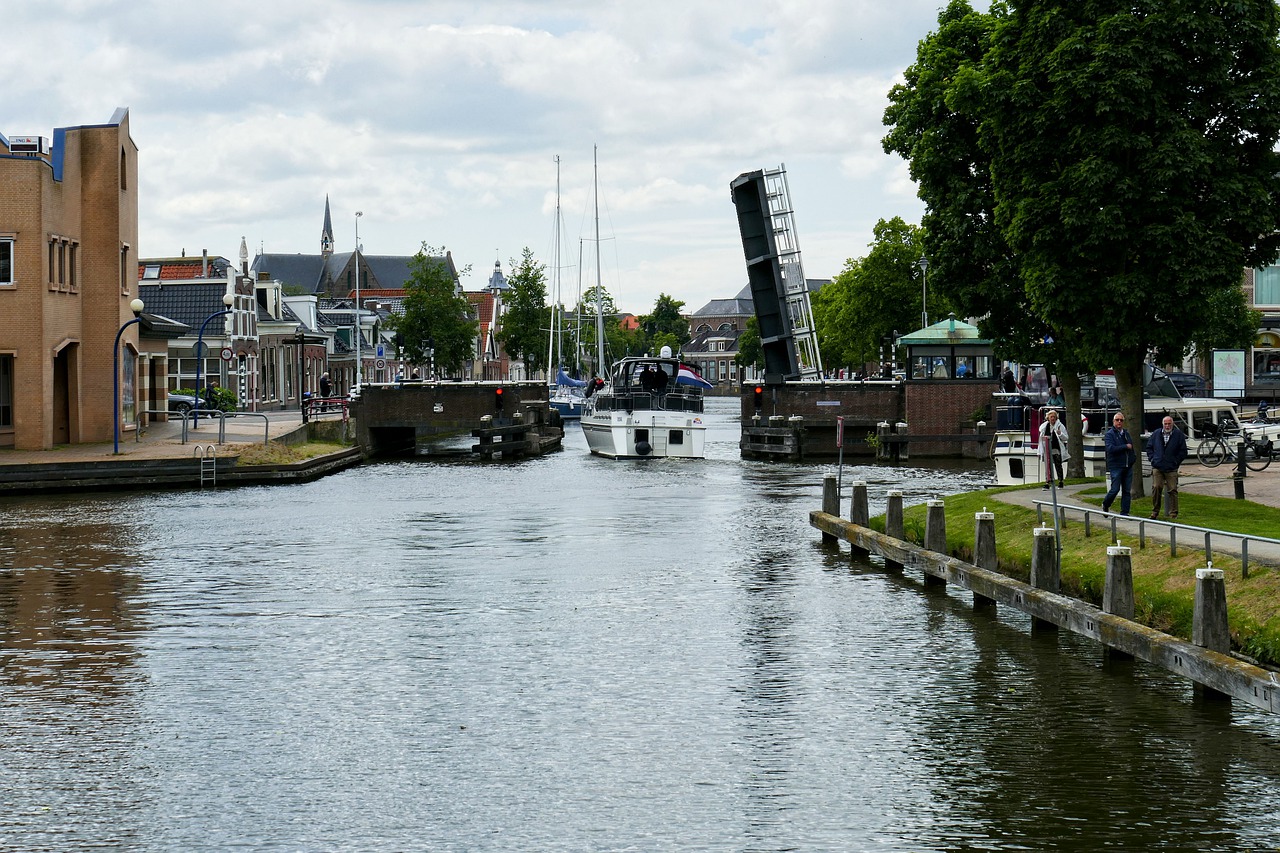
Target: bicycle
x: 1219, y: 444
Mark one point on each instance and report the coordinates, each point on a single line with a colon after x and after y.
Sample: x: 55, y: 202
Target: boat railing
x: 675, y: 400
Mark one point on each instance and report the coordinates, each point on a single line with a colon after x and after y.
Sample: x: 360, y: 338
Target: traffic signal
x: 758, y: 396
x: 497, y: 399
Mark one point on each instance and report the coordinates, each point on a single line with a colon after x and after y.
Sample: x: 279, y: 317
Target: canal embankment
x: 1165, y: 586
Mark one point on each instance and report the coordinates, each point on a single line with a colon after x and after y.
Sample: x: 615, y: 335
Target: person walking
x: 1167, y: 450
x: 1053, y: 447
x: 1120, y: 459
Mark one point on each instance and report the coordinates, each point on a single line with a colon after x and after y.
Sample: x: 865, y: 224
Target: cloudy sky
x: 441, y: 121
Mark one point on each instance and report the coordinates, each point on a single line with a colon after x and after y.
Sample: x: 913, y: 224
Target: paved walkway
x: 163, y: 440
x: 1259, y: 487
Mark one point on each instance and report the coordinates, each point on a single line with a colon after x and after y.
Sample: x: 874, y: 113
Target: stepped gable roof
x: 305, y: 271
x: 190, y: 304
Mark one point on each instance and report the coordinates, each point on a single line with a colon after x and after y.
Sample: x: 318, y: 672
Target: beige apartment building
x: 68, y: 272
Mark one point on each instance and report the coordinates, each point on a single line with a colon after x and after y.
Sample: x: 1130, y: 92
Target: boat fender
x: 643, y: 448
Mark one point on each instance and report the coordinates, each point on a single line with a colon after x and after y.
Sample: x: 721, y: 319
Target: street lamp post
x: 136, y: 307
x: 359, y: 365
x: 301, y: 338
x: 227, y: 300
x: 923, y: 263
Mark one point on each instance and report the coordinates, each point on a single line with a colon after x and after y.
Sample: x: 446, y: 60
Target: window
x: 1266, y: 286
x: 151, y: 271
x: 73, y: 281
x: 6, y: 392
x: 6, y: 262
x: 124, y: 270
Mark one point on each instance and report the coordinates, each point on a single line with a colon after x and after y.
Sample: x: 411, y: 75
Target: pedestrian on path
x: 1053, y: 447
x: 1120, y: 459
x: 1167, y: 450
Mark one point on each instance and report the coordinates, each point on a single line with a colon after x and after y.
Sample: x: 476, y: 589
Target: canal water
x: 567, y: 653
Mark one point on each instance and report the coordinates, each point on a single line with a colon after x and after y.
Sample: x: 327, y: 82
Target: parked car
x: 181, y: 402
x: 1189, y: 384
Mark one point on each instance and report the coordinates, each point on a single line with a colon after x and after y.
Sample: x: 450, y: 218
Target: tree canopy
x: 526, y: 322
x: 872, y: 297
x: 1122, y: 152
x: 437, y: 322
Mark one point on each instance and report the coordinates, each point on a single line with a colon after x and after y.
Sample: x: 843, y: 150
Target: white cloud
x: 440, y: 119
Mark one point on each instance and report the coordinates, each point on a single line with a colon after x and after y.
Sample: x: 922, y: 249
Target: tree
x: 871, y: 297
x: 1133, y: 165
x: 526, y: 322
x: 437, y: 321
x: 750, y: 353
x: 665, y: 326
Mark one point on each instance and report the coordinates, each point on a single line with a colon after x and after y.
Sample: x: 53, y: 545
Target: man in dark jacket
x: 1120, y: 459
x: 1166, y: 449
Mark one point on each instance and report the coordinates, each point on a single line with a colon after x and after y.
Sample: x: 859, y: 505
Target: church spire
x: 326, y: 234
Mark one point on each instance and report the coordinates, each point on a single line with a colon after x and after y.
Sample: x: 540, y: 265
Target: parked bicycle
x: 1221, y: 443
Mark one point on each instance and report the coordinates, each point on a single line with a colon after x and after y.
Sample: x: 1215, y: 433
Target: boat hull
x: 570, y: 409
x: 645, y: 434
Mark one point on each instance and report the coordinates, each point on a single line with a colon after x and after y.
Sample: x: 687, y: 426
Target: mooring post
x: 882, y: 441
x: 893, y: 523
x: 935, y: 536
x: 984, y: 553
x: 859, y: 514
x: 1117, y: 591
x: 904, y: 452
x: 1044, y: 570
x: 830, y: 504
x: 1209, y: 621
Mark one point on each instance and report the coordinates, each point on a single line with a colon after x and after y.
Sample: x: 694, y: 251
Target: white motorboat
x: 650, y: 407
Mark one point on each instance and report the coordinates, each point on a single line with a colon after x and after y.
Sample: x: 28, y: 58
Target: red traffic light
x: 497, y: 397
x: 758, y: 395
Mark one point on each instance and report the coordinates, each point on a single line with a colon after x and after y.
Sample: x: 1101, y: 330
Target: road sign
x: 381, y: 352
x: 840, y: 431
x: 380, y: 363
x: 227, y: 354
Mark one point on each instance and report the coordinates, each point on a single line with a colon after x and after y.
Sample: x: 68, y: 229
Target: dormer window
x: 151, y: 272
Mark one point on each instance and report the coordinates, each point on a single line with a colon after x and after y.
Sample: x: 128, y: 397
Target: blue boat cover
x: 563, y: 378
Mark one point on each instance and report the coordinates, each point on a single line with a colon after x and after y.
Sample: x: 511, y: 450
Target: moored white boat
x: 650, y: 407
x: 1015, y: 444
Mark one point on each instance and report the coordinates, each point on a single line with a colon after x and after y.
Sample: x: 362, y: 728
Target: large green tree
x: 437, y: 317
x: 1133, y: 163
x: 526, y: 322
x: 873, y: 297
x: 665, y: 326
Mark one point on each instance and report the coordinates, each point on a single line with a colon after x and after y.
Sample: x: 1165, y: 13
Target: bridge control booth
x: 951, y: 372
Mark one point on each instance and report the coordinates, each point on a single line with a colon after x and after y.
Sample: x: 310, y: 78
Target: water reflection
x: 566, y: 653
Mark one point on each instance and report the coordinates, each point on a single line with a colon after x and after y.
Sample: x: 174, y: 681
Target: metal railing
x: 1173, y: 528
x: 222, y: 422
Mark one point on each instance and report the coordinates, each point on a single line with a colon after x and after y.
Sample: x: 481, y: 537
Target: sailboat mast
x: 595, y: 180
x: 555, y: 296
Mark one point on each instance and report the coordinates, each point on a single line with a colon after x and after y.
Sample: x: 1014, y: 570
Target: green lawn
x: 1164, y: 586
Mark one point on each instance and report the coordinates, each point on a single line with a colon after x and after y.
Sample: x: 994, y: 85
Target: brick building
x: 68, y: 272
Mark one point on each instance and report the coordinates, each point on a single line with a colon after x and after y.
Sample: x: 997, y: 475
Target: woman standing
x: 1053, y: 447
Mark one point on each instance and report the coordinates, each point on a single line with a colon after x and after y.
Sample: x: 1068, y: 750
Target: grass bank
x: 1163, y: 586
x: 281, y: 454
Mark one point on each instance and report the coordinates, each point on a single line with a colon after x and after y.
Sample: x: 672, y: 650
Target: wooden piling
x: 984, y: 553
x: 893, y: 523
x: 859, y: 514
x: 1209, y: 626
x: 830, y: 504
x: 1117, y: 593
x: 1044, y: 570
x: 935, y: 536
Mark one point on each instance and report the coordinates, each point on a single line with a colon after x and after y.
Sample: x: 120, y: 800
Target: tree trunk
x: 1129, y: 387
